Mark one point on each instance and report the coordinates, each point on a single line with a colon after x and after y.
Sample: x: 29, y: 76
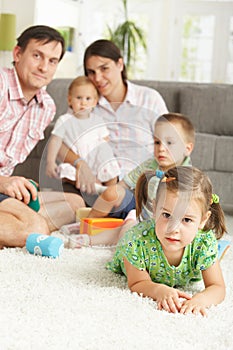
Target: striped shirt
x: 22, y: 123
x: 131, y: 125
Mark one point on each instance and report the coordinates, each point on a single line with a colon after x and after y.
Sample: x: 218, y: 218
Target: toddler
x: 85, y: 133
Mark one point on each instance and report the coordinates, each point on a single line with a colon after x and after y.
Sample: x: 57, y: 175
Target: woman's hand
x: 85, y: 180
x: 52, y: 170
x: 168, y: 298
x: 18, y: 187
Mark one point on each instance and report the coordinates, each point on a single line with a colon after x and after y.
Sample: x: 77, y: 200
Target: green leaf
x: 128, y: 37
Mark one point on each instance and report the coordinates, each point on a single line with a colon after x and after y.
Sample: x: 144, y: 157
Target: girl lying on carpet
x: 178, y: 246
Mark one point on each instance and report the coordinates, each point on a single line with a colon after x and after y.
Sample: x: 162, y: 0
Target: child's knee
x: 74, y: 200
x: 114, y: 194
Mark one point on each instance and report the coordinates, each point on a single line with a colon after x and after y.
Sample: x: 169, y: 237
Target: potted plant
x: 128, y: 37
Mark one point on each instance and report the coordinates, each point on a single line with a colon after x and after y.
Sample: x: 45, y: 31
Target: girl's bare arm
x: 213, y: 294
x: 167, y: 298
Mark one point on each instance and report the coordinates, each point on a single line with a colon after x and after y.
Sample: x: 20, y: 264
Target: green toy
x: 34, y: 204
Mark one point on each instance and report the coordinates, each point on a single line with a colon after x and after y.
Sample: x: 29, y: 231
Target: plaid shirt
x: 131, y: 125
x: 22, y: 123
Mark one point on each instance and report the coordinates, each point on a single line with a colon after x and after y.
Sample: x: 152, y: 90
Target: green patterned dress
x: 141, y: 247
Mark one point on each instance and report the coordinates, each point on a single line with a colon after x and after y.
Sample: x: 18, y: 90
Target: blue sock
x: 223, y: 245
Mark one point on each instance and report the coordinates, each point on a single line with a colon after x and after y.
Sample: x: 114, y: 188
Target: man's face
x: 36, y: 65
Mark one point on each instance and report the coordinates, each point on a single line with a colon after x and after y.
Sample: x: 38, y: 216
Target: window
x: 206, y: 42
x: 197, y: 48
x: 229, y: 78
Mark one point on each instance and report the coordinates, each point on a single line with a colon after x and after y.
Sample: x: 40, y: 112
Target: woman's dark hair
x: 104, y: 48
x: 40, y: 33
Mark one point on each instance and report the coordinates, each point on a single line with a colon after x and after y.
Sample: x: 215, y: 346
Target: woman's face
x: 105, y: 74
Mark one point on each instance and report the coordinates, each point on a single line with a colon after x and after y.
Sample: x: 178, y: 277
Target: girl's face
x: 105, y: 74
x: 178, y: 218
x: 170, y: 145
x: 82, y: 99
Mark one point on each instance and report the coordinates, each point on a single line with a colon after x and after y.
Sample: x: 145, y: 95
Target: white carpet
x: 74, y: 303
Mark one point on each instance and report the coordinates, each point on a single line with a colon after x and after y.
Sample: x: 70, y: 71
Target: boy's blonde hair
x: 183, y: 121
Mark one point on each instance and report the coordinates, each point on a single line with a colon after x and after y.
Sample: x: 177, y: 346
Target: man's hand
x: 85, y: 180
x: 18, y: 187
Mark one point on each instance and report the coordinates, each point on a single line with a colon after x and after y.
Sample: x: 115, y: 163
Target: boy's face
x: 170, y: 145
x: 82, y: 99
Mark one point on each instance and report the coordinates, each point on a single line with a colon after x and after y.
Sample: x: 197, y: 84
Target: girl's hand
x: 168, y: 298
x: 194, y: 306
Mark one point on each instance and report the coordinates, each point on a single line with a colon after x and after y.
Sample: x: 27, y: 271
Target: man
x: 25, y: 111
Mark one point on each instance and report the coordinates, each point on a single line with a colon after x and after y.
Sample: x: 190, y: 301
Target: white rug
x: 74, y: 303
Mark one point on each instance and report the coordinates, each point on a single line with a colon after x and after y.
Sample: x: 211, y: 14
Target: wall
x: 24, y: 18
x: 90, y: 19
x: 162, y: 20
x: 64, y: 13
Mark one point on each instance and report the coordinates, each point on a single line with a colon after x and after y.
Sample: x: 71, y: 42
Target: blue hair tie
x: 159, y: 173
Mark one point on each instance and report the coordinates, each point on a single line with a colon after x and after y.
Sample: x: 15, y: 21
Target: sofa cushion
x: 169, y: 91
x: 224, y: 153
x: 207, y: 106
x: 58, y: 90
x: 223, y: 186
x: 204, y: 151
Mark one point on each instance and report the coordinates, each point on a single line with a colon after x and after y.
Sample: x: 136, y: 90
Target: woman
x: 129, y: 111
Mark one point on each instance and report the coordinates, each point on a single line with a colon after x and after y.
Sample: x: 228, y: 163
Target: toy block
x: 93, y: 226
x: 82, y: 213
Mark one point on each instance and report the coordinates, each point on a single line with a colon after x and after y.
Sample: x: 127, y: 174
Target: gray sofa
x: 209, y: 106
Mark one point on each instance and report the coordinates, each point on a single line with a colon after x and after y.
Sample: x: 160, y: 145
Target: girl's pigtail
x: 141, y: 193
x: 216, y: 221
